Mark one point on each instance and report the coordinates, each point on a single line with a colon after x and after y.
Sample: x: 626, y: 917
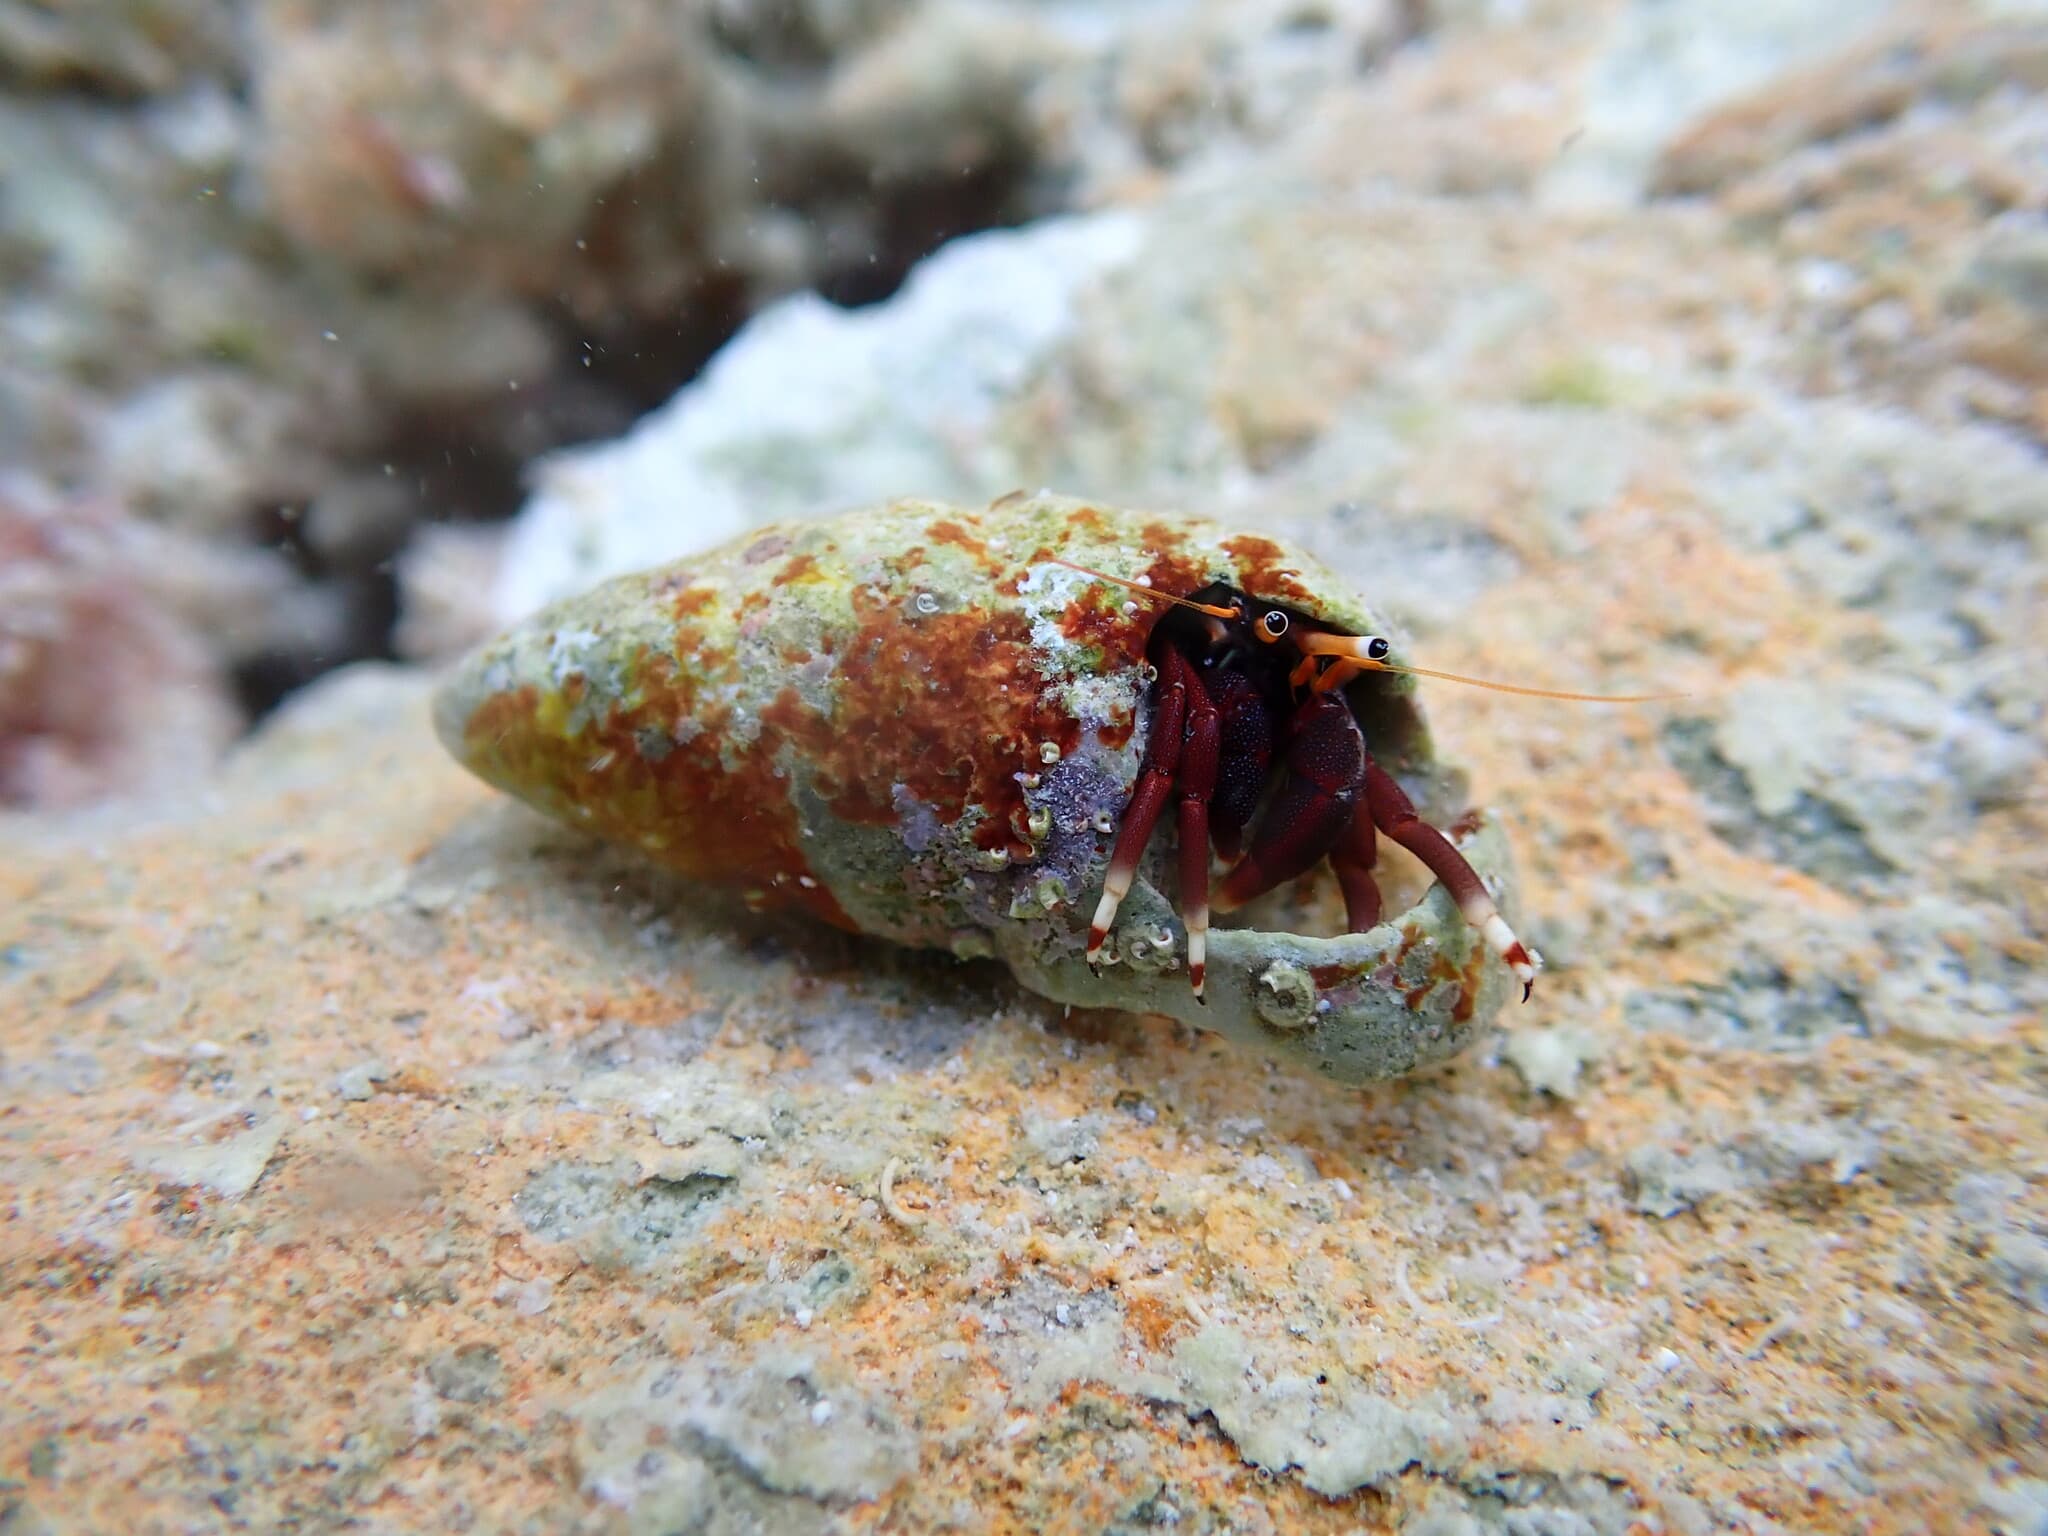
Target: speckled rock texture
x: 310, y: 284
x: 378, y: 1152
x: 379, y: 1155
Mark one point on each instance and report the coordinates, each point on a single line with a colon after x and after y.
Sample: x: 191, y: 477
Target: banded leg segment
x: 1394, y: 814
x: 1155, y: 781
x: 1198, y: 760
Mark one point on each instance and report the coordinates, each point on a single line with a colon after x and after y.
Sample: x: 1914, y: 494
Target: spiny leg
x: 1155, y: 779
x: 1198, y: 760
x: 1353, y: 859
x: 1395, y: 816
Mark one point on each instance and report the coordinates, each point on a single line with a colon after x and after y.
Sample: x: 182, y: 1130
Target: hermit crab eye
x: 1273, y: 624
x: 1377, y: 649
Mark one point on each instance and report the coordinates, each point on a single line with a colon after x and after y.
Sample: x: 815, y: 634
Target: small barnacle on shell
x: 916, y: 722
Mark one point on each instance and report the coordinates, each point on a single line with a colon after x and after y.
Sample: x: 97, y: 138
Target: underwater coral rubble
x: 305, y: 279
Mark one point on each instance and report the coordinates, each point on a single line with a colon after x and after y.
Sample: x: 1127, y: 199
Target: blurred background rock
x: 307, y: 290
x: 300, y: 287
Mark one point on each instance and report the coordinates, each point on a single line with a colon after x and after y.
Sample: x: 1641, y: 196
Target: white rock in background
x: 811, y: 408
x: 1666, y: 64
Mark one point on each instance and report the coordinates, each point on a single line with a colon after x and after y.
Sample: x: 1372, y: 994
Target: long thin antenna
x: 1351, y: 648
x: 1533, y: 693
x: 1142, y: 590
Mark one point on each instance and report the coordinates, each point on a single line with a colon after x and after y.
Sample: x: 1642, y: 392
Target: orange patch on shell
x: 633, y: 782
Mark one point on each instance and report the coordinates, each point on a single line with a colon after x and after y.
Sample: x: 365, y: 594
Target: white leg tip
x: 1105, y: 918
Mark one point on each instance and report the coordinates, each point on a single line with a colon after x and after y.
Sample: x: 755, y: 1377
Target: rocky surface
x: 378, y: 1154
x: 115, y: 637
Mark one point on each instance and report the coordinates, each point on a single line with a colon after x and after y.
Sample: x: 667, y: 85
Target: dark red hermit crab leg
x: 1353, y: 859
x: 1395, y: 816
x: 1155, y: 779
x: 1245, y: 742
x: 1315, y: 802
x: 1198, y: 760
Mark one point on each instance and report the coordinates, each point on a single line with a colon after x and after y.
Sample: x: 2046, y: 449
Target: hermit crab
x: 960, y: 729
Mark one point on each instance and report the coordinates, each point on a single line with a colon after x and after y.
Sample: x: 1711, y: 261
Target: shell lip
x: 1413, y: 991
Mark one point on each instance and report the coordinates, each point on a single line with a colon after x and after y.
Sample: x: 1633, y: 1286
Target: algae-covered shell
x: 913, y: 722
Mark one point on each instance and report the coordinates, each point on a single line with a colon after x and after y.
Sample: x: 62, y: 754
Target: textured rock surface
x: 377, y: 1153
x: 307, y: 281
x: 293, y: 278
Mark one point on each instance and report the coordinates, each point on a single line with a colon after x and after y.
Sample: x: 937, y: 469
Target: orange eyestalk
x: 1351, y: 651
x: 1142, y: 590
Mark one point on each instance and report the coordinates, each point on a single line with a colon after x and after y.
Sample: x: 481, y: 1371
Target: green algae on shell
x: 913, y: 722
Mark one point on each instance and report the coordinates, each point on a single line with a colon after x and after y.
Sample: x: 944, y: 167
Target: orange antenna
x: 1532, y: 693
x: 1142, y: 590
x: 1351, y: 648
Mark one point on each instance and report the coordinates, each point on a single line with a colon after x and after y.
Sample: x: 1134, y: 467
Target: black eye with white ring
x: 1274, y: 622
x: 1377, y: 649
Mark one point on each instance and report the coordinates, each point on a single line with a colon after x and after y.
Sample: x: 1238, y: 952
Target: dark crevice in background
x: 265, y: 681
x: 916, y: 219
x: 639, y: 364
